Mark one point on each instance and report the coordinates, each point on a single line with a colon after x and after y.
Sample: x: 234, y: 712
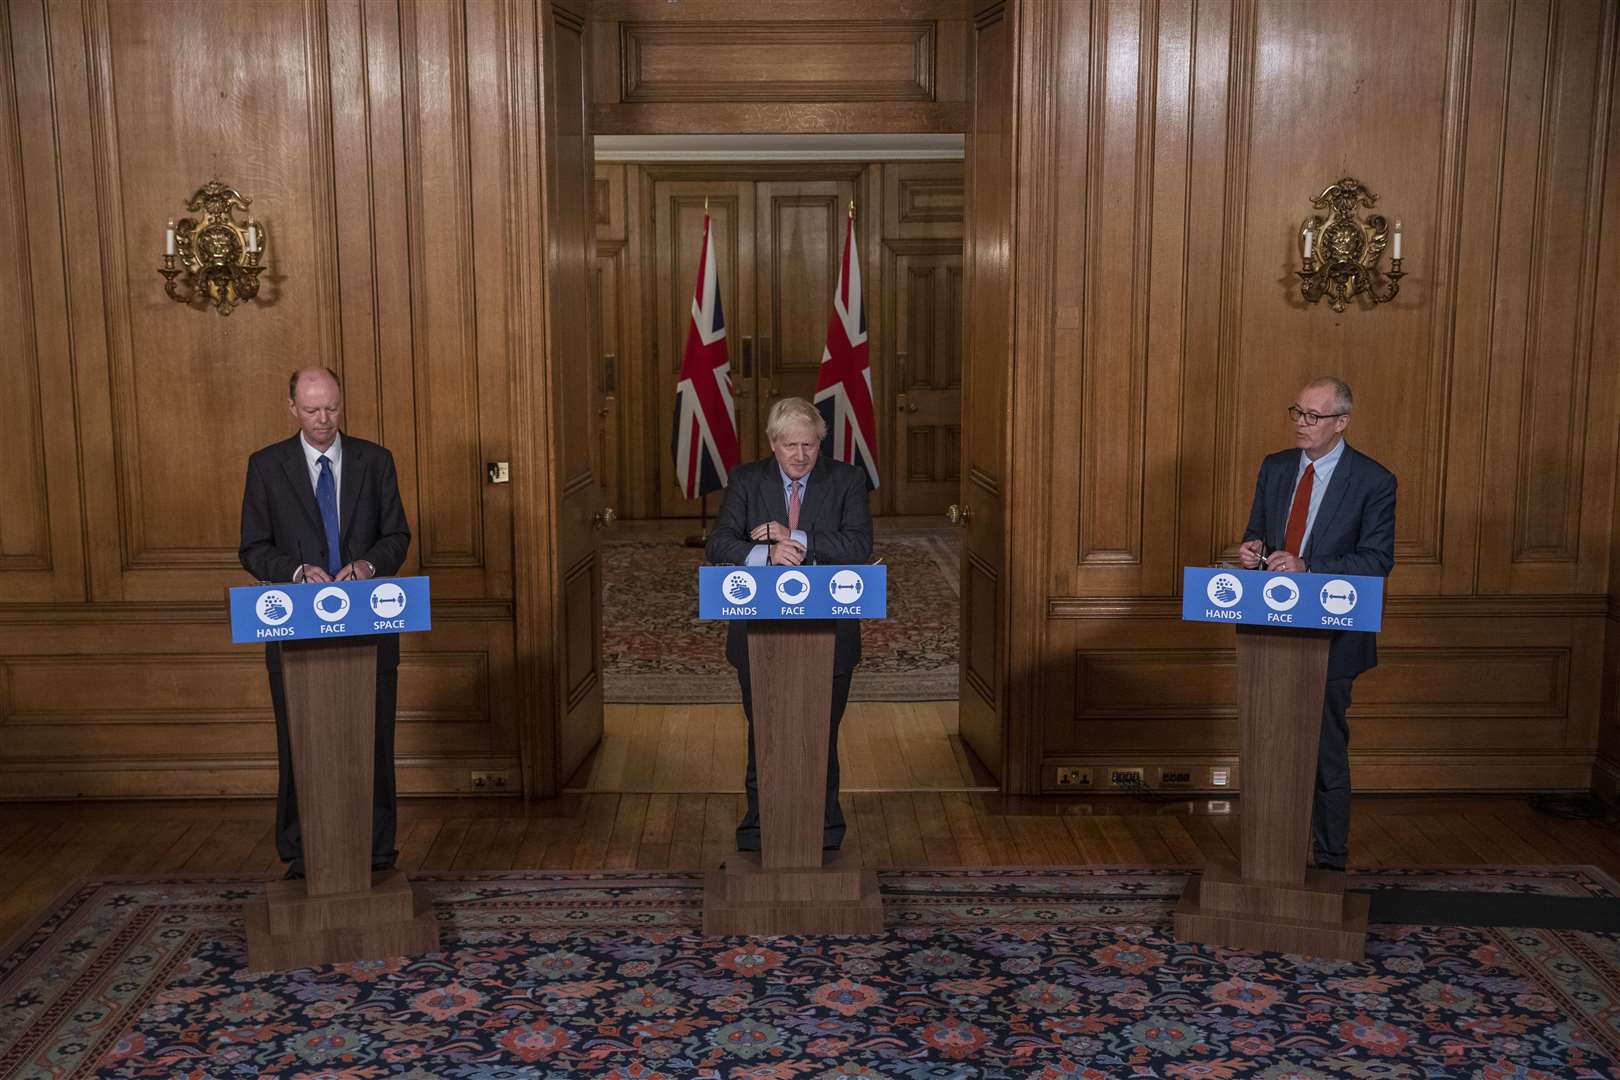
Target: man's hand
x: 1249, y: 553
x: 359, y: 570
x: 1284, y: 562
x: 313, y: 575
x: 787, y: 553
x: 771, y: 531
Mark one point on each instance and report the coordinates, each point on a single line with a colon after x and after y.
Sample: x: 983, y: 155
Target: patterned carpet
x: 980, y: 974
x: 655, y: 650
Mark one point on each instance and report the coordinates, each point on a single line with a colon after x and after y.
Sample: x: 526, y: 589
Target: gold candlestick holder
x: 216, y: 259
x: 1351, y: 250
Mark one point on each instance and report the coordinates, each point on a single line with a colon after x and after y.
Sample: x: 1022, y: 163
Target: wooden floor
x: 44, y: 847
x: 882, y: 746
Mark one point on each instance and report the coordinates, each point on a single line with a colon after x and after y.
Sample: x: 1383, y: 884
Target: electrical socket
x: 1129, y: 779
x: 1074, y: 776
x: 491, y: 781
x: 1175, y: 778
x: 1220, y: 777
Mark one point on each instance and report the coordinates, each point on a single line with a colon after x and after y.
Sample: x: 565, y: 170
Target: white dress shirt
x: 760, y: 554
x: 312, y: 458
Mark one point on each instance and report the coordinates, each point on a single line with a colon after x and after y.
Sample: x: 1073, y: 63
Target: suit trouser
x: 832, y: 831
x: 1330, y: 810
x: 384, y: 798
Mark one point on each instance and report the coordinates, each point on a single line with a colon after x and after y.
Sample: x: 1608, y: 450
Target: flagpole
x: 702, y: 538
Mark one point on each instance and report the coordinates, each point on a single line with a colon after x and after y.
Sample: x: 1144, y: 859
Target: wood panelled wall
x: 778, y: 229
x: 739, y: 66
x: 1168, y: 151
x: 1138, y: 171
x: 363, y: 134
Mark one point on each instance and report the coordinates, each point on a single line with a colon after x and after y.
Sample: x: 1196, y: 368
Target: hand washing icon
x: 1224, y: 590
x: 739, y: 587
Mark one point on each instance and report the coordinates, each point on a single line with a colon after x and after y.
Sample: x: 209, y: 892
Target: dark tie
x: 1300, y: 512
x: 793, y: 508
x: 326, y: 498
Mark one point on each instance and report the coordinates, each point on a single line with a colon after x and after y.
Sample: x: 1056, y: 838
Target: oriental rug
x: 979, y: 974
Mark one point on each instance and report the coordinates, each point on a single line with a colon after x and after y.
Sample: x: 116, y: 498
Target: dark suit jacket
x: 1354, y: 533
x: 834, y: 517
x: 281, y: 525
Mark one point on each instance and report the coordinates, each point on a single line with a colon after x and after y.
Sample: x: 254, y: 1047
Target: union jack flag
x: 844, y: 387
x: 704, y: 438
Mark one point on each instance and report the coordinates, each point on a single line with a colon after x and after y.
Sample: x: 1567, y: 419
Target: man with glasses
x: 1325, y: 508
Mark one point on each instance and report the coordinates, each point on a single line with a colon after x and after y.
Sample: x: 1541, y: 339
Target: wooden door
x: 677, y: 229
x: 799, y: 237
x: 568, y: 644
x: 927, y: 364
x: 987, y: 334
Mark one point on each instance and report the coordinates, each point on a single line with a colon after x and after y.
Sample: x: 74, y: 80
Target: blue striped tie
x: 326, y: 498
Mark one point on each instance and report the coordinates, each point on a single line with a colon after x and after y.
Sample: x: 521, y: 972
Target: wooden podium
x: 787, y: 888
x: 341, y: 911
x: 1272, y: 901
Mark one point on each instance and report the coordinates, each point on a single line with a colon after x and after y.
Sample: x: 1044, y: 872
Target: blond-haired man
x: 790, y: 509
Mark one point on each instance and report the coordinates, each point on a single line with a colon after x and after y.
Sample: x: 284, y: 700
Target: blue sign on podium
x: 793, y: 592
x: 264, y: 613
x: 1300, y: 601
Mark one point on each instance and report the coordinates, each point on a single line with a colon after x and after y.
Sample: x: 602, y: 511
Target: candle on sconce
x: 168, y: 239
x: 253, y: 236
x: 1397, y: 249
x: 1308, y: 241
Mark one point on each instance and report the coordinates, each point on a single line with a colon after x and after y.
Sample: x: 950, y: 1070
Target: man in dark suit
x: 1325, y: 508
x: 324, y: 506
x: 795, y: 508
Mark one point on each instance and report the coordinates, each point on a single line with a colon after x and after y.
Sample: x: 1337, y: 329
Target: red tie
x: 1301, y: 510
x: 793, y: 508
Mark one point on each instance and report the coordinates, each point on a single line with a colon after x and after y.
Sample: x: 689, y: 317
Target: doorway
x: 778, y: 229
x: 950, y: 72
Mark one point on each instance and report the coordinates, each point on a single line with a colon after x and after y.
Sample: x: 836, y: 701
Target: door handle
x: 604, y: 517
x: 959, y: 515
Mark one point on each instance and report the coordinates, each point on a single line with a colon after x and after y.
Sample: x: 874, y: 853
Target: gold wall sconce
x: 1342, y: 252
x: 218, y: 255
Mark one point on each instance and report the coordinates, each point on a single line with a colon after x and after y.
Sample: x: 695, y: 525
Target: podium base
x: 291, y: 929
x: 747, y: 900
x: 1316, y: 918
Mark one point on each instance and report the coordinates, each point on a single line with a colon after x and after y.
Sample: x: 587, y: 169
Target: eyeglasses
x: 1296, y: 414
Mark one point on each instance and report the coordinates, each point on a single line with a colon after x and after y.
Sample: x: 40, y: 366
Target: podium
x: 788, y: 887
x: 1271, y: 901
x: 341, y: 911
